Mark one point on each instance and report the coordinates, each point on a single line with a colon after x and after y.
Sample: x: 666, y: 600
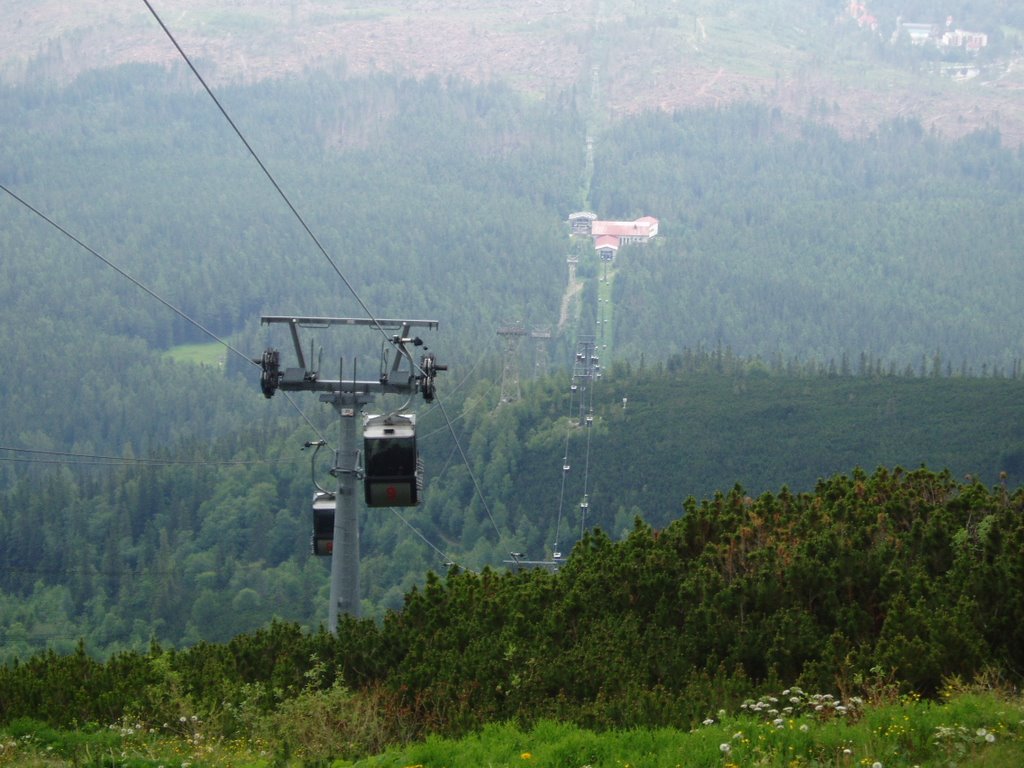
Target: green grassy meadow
x: 793, y: 729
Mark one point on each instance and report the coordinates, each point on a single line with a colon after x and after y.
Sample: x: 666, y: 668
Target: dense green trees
x: 216, y: 541
x: 806, y: 247
x: 897, y: 575
x: 443, y: 200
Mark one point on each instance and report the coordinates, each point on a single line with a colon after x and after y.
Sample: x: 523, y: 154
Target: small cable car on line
x: 392, y: 469
x: 323, y: 523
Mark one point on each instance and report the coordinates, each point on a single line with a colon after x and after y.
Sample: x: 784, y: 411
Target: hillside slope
x: 634, y: 55
x: 886, y: 582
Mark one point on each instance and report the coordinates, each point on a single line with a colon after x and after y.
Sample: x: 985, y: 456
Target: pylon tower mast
x: 586, y: 367
x: 348, y: 396
x: 541, y: 337
x: 513, y: 334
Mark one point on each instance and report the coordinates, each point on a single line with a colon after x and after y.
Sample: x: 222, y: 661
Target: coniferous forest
x: 805, y: 454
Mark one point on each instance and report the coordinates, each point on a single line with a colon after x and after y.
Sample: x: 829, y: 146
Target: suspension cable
x: 269, y: 175
x: 179, y: 312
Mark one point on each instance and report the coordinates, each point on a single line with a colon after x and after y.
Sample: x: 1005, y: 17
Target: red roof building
x: 610, y: 235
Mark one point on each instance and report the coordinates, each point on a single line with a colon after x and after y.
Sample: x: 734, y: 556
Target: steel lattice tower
x: 513, y: 334
x: 541, y: 337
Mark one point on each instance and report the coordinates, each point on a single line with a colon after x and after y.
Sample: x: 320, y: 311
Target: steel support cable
x: 271, y: 179
x: 444, y: 467
x: 586, y: 462
x: 123, y: 460
x: 565, y: 472
x: 472, y: 476
x: 462, y: 415
x: 180, y: 313
x: 453, y: 391
x: 442, y: 553
x: 586, y: 473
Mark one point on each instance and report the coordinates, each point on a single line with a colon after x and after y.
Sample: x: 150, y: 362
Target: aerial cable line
x: 464, y: 379
x: 180, y: 313
x: 124, y: 274
x: 565, y: 473
x: 447, y: 427
x: 63, y: 462
x: 454, y: 390
x: 115, y: 460
x: 472, y: 476
x: 447, y: 461
x: 126, y: 573
x: 586, y: 460
x: 442, y: 553
x: 586, y: 473
x: 268, y: 174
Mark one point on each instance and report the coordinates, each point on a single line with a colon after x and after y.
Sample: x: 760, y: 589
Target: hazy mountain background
x: 646, y: 54
x: 836, y: 283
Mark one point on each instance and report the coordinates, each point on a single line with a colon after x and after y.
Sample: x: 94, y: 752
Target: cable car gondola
x: 392, y: 474
x: 323, y: 523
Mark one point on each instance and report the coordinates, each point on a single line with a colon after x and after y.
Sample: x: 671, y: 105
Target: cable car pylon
x: 513, y: 334
x: 395, y: 479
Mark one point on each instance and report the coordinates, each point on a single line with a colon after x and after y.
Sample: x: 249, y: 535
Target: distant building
x: 606, y: 246
x: 580, y: 223
x: 962, y: 38
x: 919, y: 34
x: 610, y: 235
x: 639, y: 231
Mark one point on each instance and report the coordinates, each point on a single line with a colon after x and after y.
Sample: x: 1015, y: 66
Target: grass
x: 975, y: 729
x: 211, y: 354
x: 970, y: 729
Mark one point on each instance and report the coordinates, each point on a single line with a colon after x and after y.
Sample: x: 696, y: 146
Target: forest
x: 813, y: 305
x: 213, y: 539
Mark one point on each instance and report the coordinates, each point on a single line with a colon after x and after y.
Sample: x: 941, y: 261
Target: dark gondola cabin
x: 390, y: 461
x: 323, y: 523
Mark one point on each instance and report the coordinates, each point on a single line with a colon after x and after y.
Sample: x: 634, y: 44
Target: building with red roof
x: 608, y: 236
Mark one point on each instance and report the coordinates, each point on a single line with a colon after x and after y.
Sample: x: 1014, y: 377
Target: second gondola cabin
x: 323, y: 523
x: 391, y: 467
